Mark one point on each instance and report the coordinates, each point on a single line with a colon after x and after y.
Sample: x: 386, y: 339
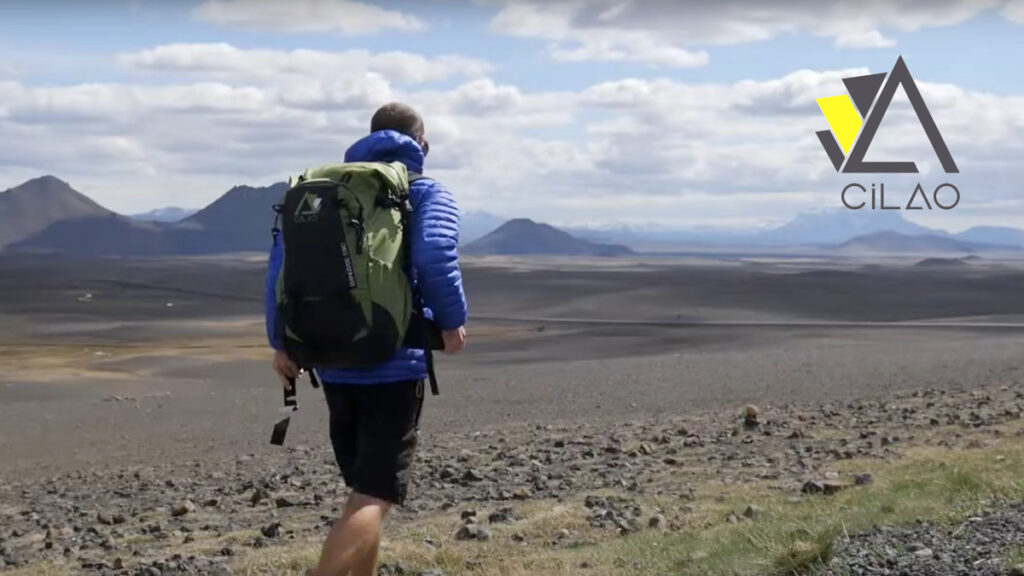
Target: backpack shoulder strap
x: 414, y: 176
x: 419, y: 305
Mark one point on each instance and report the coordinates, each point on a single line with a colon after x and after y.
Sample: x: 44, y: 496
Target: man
x: 374, y: 413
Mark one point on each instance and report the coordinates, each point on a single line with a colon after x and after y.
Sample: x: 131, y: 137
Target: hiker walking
x: 363, y: 282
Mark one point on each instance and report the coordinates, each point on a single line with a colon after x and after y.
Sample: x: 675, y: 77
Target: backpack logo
x: 350, y: 273
x: 308, y: 209
x: 855, y: 119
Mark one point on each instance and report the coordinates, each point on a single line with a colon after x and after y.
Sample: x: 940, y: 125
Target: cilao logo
x: 854, y: 119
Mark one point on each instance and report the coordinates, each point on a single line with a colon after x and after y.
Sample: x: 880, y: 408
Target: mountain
x: 994, y: 235
x: 524, y: 236
x: 897, y: 243
x: 34, y: 206
x: 836, y: 226
x: 107, y: 235
x: 167, y: 215
x: 818, y: 228
x: 47, y: 215
x: 942, y: 263
x: 476, y: 224
x: 238, y: 221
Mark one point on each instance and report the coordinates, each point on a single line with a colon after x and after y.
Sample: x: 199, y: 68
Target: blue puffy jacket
x: 435, y: 262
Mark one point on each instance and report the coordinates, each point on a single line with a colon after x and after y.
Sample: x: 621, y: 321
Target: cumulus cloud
x: 554, y: 22
x: 484, y: 96
x: 671, y: 145
x: 345, y: 17
x: 864, y: 39
x: 661, y: 33
x: 758, y: 137
x: 221, y: 60
x: 1014, y: 11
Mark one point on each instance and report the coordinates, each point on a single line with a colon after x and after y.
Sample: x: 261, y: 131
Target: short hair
x: 398, y: 117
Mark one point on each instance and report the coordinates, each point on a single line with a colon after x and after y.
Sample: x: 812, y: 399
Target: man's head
x: 402, y: 119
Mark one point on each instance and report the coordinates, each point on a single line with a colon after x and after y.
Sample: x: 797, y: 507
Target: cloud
x: 223, y: 60
x: 622, y: 46
x: 864, y: 39
x: 122, y: 103
x: 673, y: 146
x: 554, y: 22
x: 660, y: 33
x: 484, y: 96
x: 344, y: 17
x: 758, y: 136
x: 1014, y: 11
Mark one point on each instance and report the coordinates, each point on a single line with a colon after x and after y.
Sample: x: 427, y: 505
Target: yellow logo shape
x: 843, y: 118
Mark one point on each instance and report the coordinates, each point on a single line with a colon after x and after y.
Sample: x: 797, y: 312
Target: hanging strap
x: 417, y: 297
x: 291, y: 404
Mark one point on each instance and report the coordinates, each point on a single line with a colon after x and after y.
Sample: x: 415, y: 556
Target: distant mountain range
x: 47, y: 215
x: 168, y: 215
x: 822, y: 229
x: 522, y: 236
x: 238, y: 221
x: 897, y: 243
x: 832, y: 227
x: 994, y: 235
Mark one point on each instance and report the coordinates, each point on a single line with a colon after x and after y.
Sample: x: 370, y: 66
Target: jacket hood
x: 387, y: 146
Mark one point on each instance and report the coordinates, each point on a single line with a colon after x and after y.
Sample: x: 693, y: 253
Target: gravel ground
x: 977, y: 547
x: 121, y: 520
x: 142, y: 463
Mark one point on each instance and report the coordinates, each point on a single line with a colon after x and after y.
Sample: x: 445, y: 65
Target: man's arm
x: 281, y: 364
x: 435, y: 256
x: 270, y: 294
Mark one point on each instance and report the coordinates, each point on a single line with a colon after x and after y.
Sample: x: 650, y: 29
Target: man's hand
x: 285, y: 368
x: 454, y: 340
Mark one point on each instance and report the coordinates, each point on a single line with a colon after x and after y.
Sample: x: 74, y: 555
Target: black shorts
x: 374, y: 430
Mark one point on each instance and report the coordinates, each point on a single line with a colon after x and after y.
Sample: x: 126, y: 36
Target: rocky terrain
x: 978, y: 547
x: 175, y: 518
x: 136, y: 403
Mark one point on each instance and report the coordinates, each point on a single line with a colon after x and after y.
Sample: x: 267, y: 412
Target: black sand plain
x: 120, y: 361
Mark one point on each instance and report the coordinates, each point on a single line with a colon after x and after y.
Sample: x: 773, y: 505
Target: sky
x: 644, y: 112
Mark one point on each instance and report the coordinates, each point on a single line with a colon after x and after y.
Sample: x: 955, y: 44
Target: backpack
x: 343, y: 293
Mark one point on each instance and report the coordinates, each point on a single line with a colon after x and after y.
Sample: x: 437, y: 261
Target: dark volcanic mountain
x: 39, y: 203
x: 108, y: 235
x: 896, y: 243
x: 524, y: 236
x: 238, y: 221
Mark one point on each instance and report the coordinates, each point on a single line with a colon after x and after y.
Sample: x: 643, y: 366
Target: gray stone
x: 182, y: 509
x: 473, y: 532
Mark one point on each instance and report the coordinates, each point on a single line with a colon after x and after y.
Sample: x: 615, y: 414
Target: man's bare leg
x: 352, y: 544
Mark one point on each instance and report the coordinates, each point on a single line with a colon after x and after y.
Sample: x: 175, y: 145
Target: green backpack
x: 343, y: 293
